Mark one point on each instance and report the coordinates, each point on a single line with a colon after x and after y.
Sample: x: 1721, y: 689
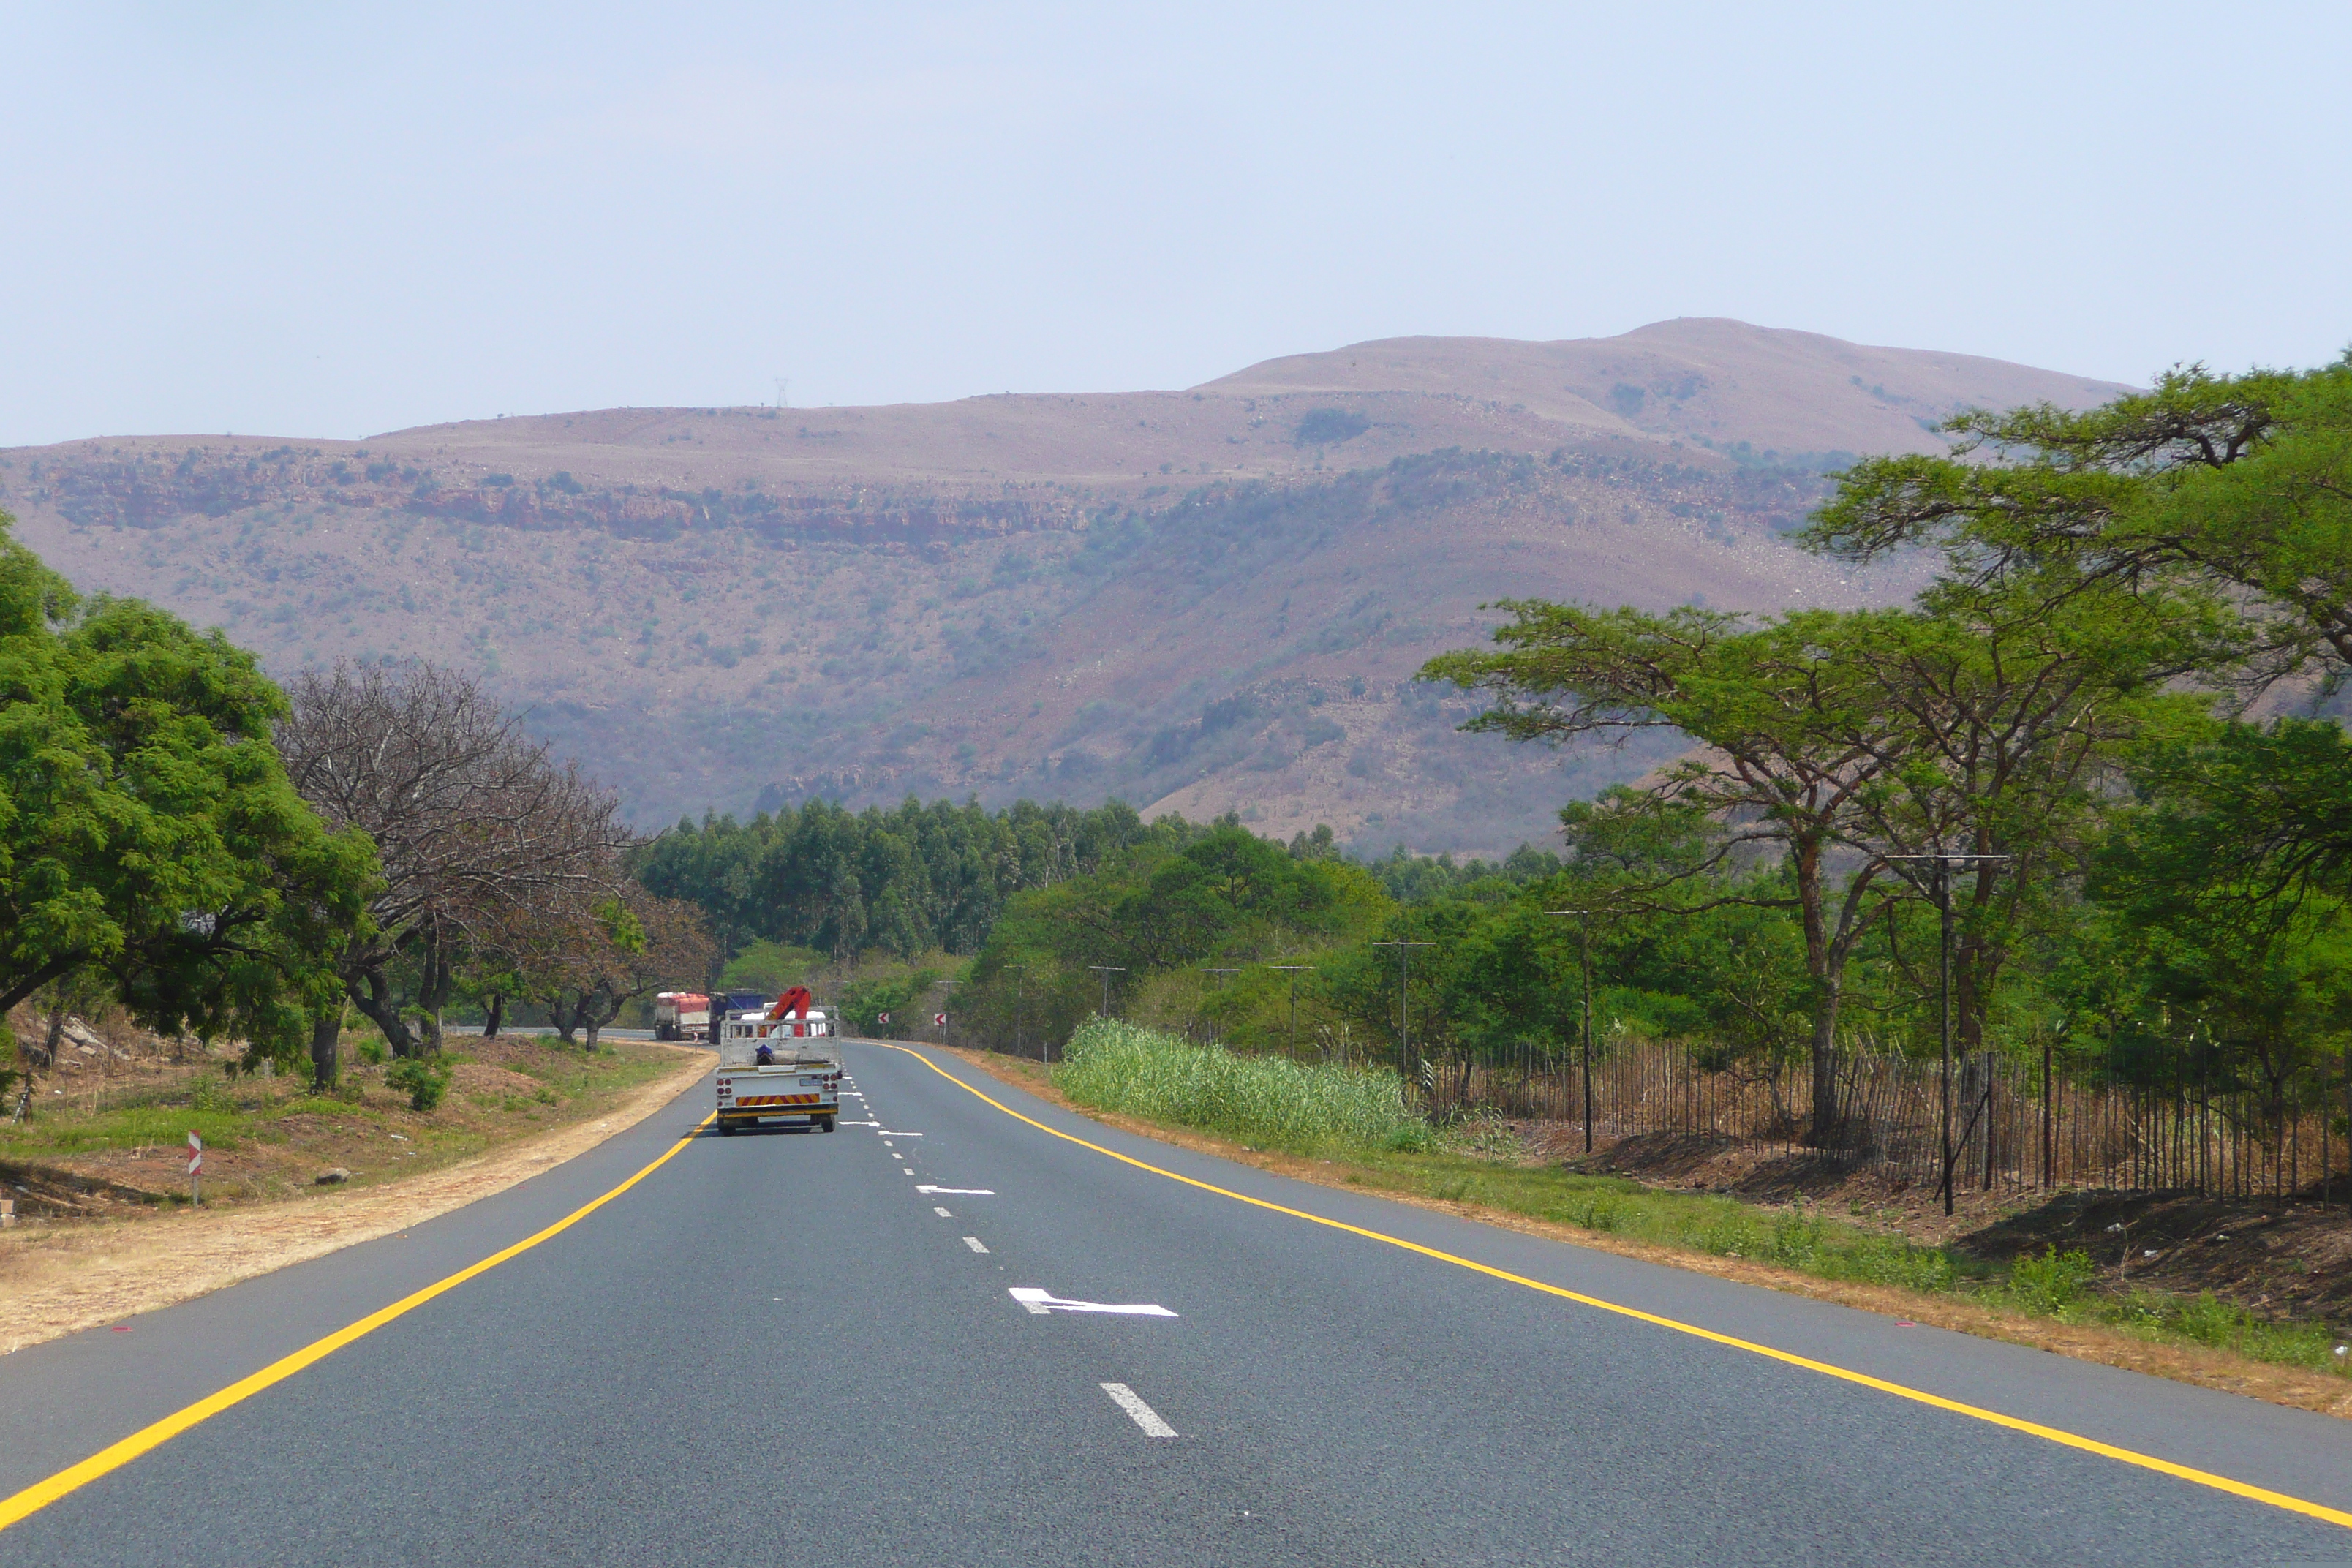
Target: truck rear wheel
x: 825, y: 1124
x: 726, y: 1128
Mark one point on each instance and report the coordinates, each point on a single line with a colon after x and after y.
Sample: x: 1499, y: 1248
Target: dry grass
x: 57, y: 1279
x: 2202, y: 1366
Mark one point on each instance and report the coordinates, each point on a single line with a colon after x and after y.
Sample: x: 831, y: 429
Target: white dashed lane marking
x: 940, y: 1211
x: 974, y: 1242
x: 1145, y: 1417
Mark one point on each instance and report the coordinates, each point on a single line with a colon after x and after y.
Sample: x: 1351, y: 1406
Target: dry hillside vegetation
x: 1202, y: 601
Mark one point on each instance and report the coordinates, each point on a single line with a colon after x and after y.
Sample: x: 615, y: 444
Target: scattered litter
x: 400, y: 1138
x: 2147, y: 1252
x: 332, y: 1177
x: 2115, y: 1227
x: 2341, y: 1349
x: 121, y: 1328
x: 1905, y: 1323
x: 2220, y: 1238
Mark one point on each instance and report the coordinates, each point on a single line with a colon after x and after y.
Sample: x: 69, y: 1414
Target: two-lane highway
x: 945, y: 1334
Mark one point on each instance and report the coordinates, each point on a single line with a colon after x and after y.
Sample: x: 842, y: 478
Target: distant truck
x: 681, y: 1016
x: 779, y: 1062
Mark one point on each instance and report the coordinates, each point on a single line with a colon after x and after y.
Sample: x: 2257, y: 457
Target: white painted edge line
x: 1145, y: 1417
x: 1044, y: 1301
x: 940, y: 1211
x: 974, y: 1242
x: 961, y: 1192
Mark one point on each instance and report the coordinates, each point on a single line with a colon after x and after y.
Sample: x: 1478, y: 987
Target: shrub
x: 425, y: 1082
x: 2052, y: 1282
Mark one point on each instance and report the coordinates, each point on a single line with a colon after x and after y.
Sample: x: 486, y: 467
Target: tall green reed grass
x: 1267, y: 1101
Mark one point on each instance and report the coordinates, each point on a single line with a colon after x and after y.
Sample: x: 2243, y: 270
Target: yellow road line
x: 1844, y: 1375
x: 40, y: 1494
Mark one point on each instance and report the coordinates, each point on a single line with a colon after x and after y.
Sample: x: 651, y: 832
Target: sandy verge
x: 57, y: 1284
x: 2206, y: 1367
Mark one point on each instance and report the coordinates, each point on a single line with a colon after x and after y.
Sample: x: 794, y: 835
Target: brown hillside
x: 1201, y: 600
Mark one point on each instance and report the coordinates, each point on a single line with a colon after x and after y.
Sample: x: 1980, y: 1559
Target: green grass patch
x: 1268, y: 1102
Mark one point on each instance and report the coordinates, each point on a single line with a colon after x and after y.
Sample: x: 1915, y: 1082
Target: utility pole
x: 1106, y: 971
x: 1943, y: 862
x: 1217, y: 1036
x: 1584, y: 957
x: 1294, y: 970
x: 1404, y: 1016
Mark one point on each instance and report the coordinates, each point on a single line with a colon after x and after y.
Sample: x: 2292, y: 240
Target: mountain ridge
x: 1207, y: 599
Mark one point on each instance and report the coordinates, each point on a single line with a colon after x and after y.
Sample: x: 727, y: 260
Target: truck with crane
x: 778, y: 1063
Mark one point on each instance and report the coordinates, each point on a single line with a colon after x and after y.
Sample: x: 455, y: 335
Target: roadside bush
x: 424, y: 1082
x: 2052, y: 1282
x: 1268, y: 1102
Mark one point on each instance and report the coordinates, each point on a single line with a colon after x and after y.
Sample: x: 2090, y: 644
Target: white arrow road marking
x: 1044, y: 1301
x: 1145, y: 1417
x: 961, y: 1192
x: 974, y: 1242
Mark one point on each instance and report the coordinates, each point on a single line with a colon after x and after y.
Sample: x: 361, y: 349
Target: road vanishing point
x: 971, y: 1329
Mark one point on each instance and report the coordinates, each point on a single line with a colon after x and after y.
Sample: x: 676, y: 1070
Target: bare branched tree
x: 480, y: 833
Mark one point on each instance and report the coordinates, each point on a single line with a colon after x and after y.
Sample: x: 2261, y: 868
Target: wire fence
x: 2016, y: 1126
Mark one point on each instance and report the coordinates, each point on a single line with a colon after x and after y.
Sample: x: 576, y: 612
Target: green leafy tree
x: 1792, y: 734
x: 148, y: 830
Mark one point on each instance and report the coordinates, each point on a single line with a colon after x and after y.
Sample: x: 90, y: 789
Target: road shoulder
x: 119, y: 1268
x: 2206, y: 1368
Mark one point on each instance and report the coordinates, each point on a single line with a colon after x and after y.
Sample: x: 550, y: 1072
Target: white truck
x: 778, y: 1063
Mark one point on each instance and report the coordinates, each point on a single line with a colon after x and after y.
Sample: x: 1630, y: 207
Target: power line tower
x: 783, y: 385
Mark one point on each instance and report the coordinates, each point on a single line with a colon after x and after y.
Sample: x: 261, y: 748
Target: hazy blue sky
x: 299, y: 219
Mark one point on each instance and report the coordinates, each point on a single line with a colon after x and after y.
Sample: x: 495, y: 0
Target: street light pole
x: 1106, y: 971
x: 1405, y: 1018
x: 1294, y: 970
x: 1584, y: 965
x: 1943, y: 862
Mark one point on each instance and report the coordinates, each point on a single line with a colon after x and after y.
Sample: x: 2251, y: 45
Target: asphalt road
x: 776, y: 1348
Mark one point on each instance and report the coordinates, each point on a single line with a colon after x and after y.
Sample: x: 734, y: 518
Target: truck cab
x: 800, y: 1081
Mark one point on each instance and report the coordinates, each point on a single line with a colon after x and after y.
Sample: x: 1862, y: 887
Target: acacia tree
x: 480, y: 834
x: 1791, y: 736
x: 2005, y: 710
x: 2237, y: 484
x: 148, y: 831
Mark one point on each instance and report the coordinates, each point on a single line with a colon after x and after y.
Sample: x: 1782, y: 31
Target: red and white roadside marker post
x: 196, y: 1169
